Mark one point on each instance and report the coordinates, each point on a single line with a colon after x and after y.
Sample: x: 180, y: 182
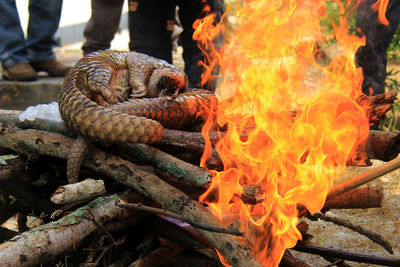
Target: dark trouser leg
x: 44, y: 18
x: 189, y: 11
x: 12, y: 41
x: 102, y: 25
x: 150, y: 27
x: 372, y: 56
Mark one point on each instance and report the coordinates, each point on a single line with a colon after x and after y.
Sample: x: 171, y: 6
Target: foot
x: 20, y: 72
x: 53, y: 67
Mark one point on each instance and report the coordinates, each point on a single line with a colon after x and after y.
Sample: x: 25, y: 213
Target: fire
x: 269, y: 68
x: 380, y: 6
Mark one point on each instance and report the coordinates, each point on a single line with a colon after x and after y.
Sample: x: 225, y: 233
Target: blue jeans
x: 44, y: 17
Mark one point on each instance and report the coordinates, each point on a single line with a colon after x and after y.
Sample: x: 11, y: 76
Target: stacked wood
x: 158, y: 220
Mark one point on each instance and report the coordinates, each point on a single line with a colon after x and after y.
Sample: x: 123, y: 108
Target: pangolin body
x: 101, y: 100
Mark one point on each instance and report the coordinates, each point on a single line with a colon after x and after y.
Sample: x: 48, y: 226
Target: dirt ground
x: 384, y: 221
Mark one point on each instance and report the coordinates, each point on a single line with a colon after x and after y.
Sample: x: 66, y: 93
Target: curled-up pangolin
x: 122, y: 97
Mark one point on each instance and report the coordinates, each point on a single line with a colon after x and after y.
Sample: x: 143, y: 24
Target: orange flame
x: 269, y: 69
x: 380, y: 6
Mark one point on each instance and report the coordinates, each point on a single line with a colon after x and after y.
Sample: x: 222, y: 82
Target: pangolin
x: 121, y: 97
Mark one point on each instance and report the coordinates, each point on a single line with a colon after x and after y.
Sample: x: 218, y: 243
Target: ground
x: 384, y: 221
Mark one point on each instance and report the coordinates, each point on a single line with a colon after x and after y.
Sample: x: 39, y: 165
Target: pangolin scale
x: 100, y: 98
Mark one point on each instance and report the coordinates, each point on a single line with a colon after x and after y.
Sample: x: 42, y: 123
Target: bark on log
x: 377, y: 105
x: 358, y: 198
x: 364, y: 178
x: 171, y: 165
x: 40, y: 244
x: 382, y: 145
x: 289, y: 260
x: 125, y: 172
x: 13, y: 167
x: 78, y: 192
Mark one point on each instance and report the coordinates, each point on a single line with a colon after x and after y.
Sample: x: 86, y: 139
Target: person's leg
x: 102, y: 25
x: 44, y: 17
x: 372, y: 56
x: 151, y: 24
x: 189, y: 12
x: 12, y: 41
x: 13, y: 53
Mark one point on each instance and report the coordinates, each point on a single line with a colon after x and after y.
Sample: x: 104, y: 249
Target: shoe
x: 53, y: 67
x: 20, y: 72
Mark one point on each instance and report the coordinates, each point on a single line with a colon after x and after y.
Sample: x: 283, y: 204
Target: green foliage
x: 394, y: 47
x: 391, y: 122
x: 334, y: 13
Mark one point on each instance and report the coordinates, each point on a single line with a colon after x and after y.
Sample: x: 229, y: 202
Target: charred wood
x: 289, y: 260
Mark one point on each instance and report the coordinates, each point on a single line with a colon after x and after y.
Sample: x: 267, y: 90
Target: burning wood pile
x: 238, y: 191
x: 141, y: 209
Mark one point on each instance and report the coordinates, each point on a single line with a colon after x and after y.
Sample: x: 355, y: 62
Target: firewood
x: 57, y: 145
x: 42, y: 243
x: 382, y: 145
x: 377, y: 105
x: 346, y: 255
x: 171, y: 165
x: 78, y: 192
x: 11, y: 167
x: 289, y: 260
x: 159, y: 255
x: 141, y: 207
x: 357, y: 228
x: 358, y: 198
x: 364, y: 178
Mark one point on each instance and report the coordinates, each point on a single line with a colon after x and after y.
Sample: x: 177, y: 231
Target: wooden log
x: 125, y: 172
x: 358, y: 198
x: 346, y: 255
x: 289, y: 260
x: 158, y: 256
x: 171, y: 165
x: 78, y: 192
x: 41, y: 244
x: 364, y: 178
x: 357, y: 228
x: 382, y: 145
x: 377, y: 105
x: 13, y: 167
